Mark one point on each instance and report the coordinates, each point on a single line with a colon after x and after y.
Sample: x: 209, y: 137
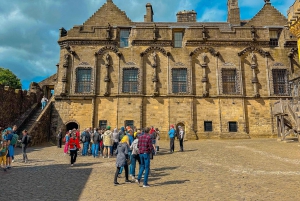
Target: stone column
x: 154, y: 77
x: 204, y: 80
x: 254, y: 75
x: 107, y: 79
x: 65, y: 71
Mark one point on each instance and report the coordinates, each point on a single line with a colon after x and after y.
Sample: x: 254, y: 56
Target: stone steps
x: 31, y: 120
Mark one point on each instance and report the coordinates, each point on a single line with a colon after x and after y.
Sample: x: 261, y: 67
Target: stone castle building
x: 217, y: 79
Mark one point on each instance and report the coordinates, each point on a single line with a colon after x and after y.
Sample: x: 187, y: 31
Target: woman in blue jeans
x: 134, y: 157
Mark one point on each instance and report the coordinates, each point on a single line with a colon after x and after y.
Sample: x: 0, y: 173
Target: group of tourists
x: 129, y: 145
x: 8, y: 141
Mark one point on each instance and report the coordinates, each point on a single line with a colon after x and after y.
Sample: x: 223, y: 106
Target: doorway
x: 71, y: 125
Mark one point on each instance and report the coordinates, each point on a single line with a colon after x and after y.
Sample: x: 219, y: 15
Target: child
x: 3, y: 153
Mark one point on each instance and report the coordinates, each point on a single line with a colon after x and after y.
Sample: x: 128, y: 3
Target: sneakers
x: 127, y: 181
x: 72, y: 165
x: 138, y: 181
x: 133, y: 178
x: 116, y: 183
x: 146, y: 186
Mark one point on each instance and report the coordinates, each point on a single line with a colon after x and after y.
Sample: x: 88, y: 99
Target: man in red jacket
x: 74, y: 146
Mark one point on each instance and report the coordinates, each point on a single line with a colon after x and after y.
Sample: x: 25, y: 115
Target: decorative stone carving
x: 108, y: 32
x: 251, y: 49
x: 162, y: 43
x: 155, y: 32
x: 155, y: 48
x: 253, y: 33
x: 87, y: 42
x: 66, y: 60
x: 203, y: 63
x: 254, y: 75
x: 204, y: 33
x: 205, y: 49
x: 109, y: 48
x: 107, y: 78
x: 153, y: 60
x: 210, y: 43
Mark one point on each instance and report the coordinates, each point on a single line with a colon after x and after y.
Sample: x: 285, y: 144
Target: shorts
x: 107, y: 146
x: 3, y: 159
x: 11, y: 152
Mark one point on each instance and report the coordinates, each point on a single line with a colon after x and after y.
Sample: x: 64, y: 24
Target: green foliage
x: 8, y: 78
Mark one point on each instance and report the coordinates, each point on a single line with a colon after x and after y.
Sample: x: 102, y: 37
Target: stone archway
x: 71, y: 125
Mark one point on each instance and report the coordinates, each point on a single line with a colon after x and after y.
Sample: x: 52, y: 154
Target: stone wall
x: 15, y: 102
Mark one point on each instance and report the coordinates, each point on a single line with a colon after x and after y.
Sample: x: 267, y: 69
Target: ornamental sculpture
x: 107, y: 79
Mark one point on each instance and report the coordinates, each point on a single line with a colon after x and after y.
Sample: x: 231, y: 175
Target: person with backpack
x: 134, y: 157
x: 172, y: 134
x: 121, y: 133
x: 96, y: 141
x: 85, y: 138
x: 107, y: 142
x: 25, y: 141
x: 180, y: 137
x: 9, y: 138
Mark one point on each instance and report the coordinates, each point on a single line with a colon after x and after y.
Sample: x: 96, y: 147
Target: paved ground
x: 257, y: 169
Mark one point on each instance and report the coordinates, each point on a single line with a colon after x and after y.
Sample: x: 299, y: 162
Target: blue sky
x: 29, y: 28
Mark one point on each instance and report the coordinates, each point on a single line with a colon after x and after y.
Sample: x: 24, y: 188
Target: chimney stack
x: 186, y: 16
x: 149, y: 13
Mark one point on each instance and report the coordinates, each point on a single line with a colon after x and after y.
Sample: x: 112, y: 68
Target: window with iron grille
x: 208, y: 126
x: 129, y: 123
x: 274, y: 36
x: 280, y: 81
x: 124, y: 35
x: 232, y: 126
x: 179, y: 80
x: 178, y: 39
x: 130, y: 80
x: 229, y: 81
x: 102, y: 124
x: 83, y: 80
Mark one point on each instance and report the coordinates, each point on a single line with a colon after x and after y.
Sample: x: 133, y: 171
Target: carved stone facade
x: 189, y: 73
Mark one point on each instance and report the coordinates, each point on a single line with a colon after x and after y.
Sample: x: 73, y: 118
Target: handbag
x: 128, y: 161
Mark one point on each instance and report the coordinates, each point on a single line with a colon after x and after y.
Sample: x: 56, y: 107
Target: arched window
x: 83, y: 80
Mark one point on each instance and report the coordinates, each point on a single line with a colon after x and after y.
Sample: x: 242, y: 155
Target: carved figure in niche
x: 253, y: 59
x: 107, y: 60
x: 203, y: 60
x: 153, y: 59
x: 66, y: 60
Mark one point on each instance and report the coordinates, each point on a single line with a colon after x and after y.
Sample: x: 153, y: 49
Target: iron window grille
x: 280, y: 81
x: 208, y: 126
x: 232, y: 126
x: 178, y: 39
x: 83, y: 80
x: 229, y: 81
x: 124, y: 37
x: 102, y: 124
x: 179, y: 80
x: 130, y: 81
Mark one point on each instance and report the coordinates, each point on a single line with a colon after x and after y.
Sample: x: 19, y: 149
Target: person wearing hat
x: 107, y: 142
x: 172, y: 133
x: 122, y: 157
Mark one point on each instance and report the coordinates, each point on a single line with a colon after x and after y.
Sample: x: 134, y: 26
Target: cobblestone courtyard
x: 257, y: 169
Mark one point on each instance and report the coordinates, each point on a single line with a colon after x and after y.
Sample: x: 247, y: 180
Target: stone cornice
x: 227, y: 43
x: 152, y: 42
x: 66, y: 43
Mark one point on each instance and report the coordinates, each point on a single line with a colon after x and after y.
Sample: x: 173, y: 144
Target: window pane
x: 208, y: 126
x: 124, y: 35
x: 229, y: 81
x: 179, y: 80
x: 83, y: 81
x: 232, y: 126
x: 178, y: 39
x: 280, y: 81
x: 274, y: 34
x: 103, y: 124
x: 130, y: 80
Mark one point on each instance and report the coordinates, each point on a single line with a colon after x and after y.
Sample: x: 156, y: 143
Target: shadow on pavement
x: 51, y: 182
x: 171, y: 182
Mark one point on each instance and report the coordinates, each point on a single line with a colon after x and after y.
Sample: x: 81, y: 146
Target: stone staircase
x: 31, y: 120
